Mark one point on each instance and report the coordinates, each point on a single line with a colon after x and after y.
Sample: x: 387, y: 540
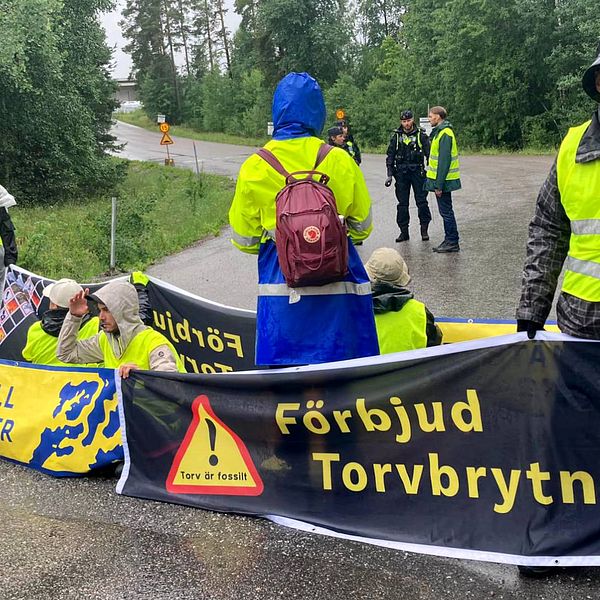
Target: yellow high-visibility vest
x: 252, y: 212
x: 41, y: 346
x: 579, y: 187
x: 432, y: 167
x: 138, y: 350
x: 402, y: 330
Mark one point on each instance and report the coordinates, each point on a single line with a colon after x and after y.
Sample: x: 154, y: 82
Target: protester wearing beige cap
x: 42, y: 337
x: 402, y: 322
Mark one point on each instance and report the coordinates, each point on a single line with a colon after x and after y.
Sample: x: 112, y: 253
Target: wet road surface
x: 77, y: 539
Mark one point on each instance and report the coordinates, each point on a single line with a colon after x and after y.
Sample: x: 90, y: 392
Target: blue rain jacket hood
x: 298, y: 107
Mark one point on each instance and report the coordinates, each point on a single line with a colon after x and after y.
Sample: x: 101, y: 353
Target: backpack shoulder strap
x: 324, y: 150
x: 272, y: 160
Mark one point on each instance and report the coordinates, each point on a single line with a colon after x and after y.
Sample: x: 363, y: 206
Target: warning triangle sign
x: 212, y: 459
x: 166, y: 140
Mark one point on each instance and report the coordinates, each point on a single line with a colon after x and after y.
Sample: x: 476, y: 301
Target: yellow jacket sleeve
x: 351, y: 193
x: 244, y: 214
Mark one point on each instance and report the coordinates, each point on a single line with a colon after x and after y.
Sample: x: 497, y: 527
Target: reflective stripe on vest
x: 245, y: 241
x: 402, y: 330
x: 329, y: 289
x: 432, y: 166
x: 579, y: 186
x: 138, y: 350
x: 363, y: 225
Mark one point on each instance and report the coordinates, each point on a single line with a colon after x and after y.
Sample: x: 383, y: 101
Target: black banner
x: 485, y: 450
x: 210, y: 337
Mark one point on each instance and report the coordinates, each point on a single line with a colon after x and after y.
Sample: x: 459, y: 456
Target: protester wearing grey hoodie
x: 124, y: 342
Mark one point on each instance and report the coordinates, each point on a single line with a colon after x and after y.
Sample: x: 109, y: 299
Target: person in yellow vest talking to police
x: 124, y: 342
x: 565, y: 230
x: 42, y: 336
x: 443, y: 175
x: 402, y: 322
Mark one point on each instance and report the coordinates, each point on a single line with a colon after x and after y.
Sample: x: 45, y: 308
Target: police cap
x: 406, y: 114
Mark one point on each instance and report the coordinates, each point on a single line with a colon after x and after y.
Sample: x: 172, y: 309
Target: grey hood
x: 121, y: 299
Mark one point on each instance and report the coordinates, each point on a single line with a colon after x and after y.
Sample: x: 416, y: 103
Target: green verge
x: 139, y: 118
x: 160, y: 210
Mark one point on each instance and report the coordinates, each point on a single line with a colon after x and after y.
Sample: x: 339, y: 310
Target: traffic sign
x: 164, y: 127
x: 166, y: 140
x: 161, y: 118
x: 340, y: 114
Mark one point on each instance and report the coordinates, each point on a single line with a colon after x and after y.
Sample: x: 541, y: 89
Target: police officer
x: 406, y: 154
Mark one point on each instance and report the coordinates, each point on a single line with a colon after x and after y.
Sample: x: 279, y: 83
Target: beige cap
x: 387, y: 265
x: 61, y: 291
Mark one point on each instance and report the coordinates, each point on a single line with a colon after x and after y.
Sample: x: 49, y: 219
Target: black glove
x: 530, y: 327
x: 388, y: 181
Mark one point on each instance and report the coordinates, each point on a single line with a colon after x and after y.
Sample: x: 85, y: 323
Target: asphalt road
x: 75, y: 538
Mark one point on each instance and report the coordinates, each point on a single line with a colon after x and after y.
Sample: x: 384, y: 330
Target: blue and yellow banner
x: 59, y: 421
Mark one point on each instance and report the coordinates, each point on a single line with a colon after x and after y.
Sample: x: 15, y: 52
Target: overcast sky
x: 122, y: 61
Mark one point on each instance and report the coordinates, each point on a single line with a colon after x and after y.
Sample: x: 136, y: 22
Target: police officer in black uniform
x: 406, y: 155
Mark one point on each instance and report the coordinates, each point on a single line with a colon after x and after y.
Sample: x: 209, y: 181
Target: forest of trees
x: 508, y: 72
x: 56, y: 99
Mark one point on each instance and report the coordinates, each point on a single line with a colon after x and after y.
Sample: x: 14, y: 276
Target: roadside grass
x: 527, y: 151
x: 139, y: 118
x: 160, y: 210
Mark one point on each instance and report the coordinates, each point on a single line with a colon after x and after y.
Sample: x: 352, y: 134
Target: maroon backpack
x: 311, y: 239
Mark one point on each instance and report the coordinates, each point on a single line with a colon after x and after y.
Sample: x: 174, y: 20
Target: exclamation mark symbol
x: 213, y: 459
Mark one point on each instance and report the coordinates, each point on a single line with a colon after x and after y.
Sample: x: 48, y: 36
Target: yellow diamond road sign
x: 166, y: 140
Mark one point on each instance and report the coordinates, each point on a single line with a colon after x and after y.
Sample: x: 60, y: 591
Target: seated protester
x: 42, y: 337
x: 351, y: 145
x: 402, y: 322
x: 124, y: 342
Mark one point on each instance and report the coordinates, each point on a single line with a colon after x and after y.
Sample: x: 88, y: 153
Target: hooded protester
x: 8, y: 241
x: 124, y: 342
x: 42, y: 336
x: 304, y: 324
x: 403, y: 323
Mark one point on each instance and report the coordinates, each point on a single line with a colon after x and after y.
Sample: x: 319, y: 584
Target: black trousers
x: 405, y: 179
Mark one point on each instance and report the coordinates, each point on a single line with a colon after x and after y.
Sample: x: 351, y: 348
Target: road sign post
x: 166, y: 140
